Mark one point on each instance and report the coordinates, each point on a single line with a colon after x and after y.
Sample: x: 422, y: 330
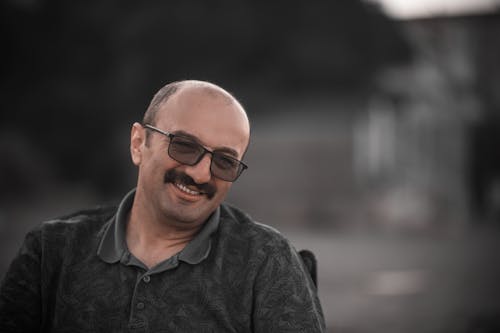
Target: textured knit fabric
x: 75, y: 274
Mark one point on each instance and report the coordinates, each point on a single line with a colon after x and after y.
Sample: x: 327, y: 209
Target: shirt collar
x: 113, y: 246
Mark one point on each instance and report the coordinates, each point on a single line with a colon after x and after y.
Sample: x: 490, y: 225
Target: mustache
x: 174, y: 176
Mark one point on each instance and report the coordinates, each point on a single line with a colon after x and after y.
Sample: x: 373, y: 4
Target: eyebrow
x: 225, y: 150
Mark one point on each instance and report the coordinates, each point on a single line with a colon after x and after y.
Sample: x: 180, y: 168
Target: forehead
x: 214, y: 118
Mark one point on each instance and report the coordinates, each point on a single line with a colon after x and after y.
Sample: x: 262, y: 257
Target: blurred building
x: 411, y: 154
x: 420, y: 130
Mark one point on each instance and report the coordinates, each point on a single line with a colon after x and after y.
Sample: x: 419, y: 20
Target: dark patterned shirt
x: 75, y: 274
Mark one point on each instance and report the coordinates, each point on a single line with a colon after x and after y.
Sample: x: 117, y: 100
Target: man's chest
x: 118, y: 298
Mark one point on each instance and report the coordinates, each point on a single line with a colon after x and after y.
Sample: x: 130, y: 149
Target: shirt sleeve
x: 286, y: 299
x: 20, y: 296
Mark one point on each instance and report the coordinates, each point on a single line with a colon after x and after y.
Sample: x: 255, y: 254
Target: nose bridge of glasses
x: 203, y: 152
x: 201, y: 170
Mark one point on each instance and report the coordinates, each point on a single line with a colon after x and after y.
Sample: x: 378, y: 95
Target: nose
x: 200, y: 172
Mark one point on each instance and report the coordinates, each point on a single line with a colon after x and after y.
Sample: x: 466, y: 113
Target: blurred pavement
x: 406, y: 283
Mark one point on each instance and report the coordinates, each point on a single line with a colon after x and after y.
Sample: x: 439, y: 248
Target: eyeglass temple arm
x: 157, y: 130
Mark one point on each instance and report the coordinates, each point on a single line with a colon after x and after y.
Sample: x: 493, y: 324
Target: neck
x: 153, y: 240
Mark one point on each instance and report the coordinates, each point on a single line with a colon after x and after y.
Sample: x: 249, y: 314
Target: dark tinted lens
x: 224, y: 162
x: 184, y: 150
x: 225, y: 167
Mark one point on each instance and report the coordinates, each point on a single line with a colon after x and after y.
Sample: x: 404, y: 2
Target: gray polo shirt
x: 75, y: 274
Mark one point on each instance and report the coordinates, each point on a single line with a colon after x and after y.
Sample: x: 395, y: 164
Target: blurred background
x: 376, y: 127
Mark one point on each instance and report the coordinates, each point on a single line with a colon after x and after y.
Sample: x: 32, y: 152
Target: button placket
x: 138, y: 305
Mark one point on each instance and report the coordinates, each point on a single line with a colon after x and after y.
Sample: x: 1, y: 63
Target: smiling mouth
x: 186, y: 185
x: 185, y: 189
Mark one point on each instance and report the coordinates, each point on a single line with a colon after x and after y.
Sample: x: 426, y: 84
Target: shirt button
x: 140, y: 305
x: 146, y: 279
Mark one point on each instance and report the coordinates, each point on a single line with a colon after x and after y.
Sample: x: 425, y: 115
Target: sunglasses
x: 189, y: 152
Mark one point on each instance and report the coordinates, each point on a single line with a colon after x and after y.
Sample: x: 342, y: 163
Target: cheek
x: 156, y: 167
x: 222, y: 187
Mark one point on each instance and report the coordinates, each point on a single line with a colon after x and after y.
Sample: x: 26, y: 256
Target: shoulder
x: 238, y: 226
x: 259, y: 247
x: 69, y: 236
x: 83, y: 221
x: 234, y: 218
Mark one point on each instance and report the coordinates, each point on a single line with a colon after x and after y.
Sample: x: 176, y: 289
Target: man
x: 172, y: 257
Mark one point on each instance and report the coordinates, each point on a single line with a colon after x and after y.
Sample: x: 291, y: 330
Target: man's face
x: 184, y: 195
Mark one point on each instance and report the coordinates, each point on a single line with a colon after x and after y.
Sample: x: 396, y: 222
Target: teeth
x: 185, y: 189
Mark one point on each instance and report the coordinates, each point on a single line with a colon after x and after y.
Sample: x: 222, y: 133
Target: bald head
x: 164, y: 94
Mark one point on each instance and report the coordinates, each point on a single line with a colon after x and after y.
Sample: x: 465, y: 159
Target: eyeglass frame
x: 241, y: 166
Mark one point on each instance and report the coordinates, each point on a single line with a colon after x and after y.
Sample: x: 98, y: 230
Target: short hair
x: 159, y: 98
x: 170, y: 89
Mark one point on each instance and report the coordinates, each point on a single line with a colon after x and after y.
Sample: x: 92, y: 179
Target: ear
x: 137, y: 143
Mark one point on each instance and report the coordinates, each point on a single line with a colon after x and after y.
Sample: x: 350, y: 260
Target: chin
x: 188, y: 216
